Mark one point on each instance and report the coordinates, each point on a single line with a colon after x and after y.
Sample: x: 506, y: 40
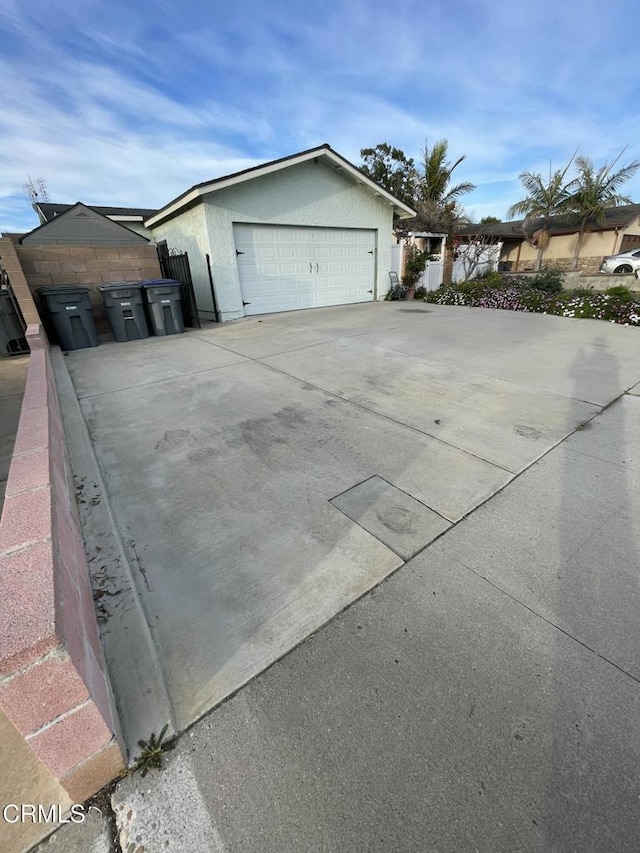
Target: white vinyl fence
x: 474, y: 260
x: 431, y: 278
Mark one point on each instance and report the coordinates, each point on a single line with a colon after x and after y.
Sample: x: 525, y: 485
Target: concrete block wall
x: 54, y: 685
x: 21, y: 289
x: 89, y: 266
x: 599, y: 281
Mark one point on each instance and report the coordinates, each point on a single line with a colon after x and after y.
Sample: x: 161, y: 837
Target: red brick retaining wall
x: 53, y: 681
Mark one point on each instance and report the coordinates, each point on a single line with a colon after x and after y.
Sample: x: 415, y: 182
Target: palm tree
x: 437, y: 201
x: 593, y: 192
x: 544, y: 200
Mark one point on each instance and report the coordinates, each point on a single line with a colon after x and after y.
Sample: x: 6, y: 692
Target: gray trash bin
x: 69, y: 313
x: 164, y: 307
x: 125, y: 309
x: 12, y: 339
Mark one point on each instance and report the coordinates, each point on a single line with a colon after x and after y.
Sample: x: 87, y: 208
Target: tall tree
x: 428, y: 188
x: 391, y: 169
x: 594, y: 191
x: 437, y: 199
x: 544, y: 199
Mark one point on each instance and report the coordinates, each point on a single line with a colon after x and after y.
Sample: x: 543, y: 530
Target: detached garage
x: 306, y: 231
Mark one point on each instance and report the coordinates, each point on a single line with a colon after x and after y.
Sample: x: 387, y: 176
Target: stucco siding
x: 188, y: 233
x: 595, y: 245
x: 309, y: 194
x: 137, y: 228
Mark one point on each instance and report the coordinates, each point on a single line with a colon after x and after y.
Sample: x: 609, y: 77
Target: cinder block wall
x: 54, y: 685
x: 21, y: 289
x: 90, y: 266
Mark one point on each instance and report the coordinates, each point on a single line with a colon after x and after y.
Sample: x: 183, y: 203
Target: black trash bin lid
x: 61, y: 288
x: 120, y: 285
x: 158, y: 282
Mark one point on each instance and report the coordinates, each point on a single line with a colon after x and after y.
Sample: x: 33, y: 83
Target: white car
x: 623, y: 262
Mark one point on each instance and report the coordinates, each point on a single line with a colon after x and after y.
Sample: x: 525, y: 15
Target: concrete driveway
x: 265, y: 474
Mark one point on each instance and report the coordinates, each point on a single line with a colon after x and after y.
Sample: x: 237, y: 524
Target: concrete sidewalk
x: 253, y: 480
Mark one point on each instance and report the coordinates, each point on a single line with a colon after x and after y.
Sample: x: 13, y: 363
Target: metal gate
x: 175, y: 265
x: 12, y: 324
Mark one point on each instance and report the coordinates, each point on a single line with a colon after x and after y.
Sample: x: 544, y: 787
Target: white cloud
x: 112, y: 105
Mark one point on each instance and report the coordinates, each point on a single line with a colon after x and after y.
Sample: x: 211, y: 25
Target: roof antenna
x: 37, y: 190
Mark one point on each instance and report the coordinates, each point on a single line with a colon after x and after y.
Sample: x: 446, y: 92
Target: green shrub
x: 469, y: 287
x: 435, y: 296
x: 493, y: 279
x: 414, y: 264
x: 581, y: 291
x: 546, y: 280
x: 621, y: 291
x: 534, y: 300
x: 420, y: 293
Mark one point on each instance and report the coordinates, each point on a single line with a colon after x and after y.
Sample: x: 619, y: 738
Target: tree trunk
x: 576, y: 251
x: 447, y: 264
x: 538, y: 261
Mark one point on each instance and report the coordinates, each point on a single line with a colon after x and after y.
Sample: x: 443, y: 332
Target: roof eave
x: 339, y: 163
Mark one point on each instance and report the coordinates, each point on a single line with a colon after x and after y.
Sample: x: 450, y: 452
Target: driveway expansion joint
x: 539, y: 615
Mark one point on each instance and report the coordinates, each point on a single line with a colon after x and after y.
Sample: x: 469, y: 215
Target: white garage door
x: 284, y: 268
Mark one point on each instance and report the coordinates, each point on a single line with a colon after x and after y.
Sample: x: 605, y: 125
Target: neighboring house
x: 80, y: 224
x: 619, y: 231
x: 130, y: 217
x: 304, y: 231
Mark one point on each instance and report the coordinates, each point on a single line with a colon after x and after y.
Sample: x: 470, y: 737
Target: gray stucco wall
x: 138, y: 228
x: 188, y: 233
x: 310, y: 194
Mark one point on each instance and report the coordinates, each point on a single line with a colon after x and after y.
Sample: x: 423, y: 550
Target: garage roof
x: 325, y: 151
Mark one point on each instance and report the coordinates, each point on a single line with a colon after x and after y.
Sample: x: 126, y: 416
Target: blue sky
x: 130, y: 103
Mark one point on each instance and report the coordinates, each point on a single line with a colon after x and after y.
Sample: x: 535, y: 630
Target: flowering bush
x: 616, y: 308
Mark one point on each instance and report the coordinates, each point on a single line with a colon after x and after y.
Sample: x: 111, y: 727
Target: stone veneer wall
x: 588, y: 266
x: 54, y: 685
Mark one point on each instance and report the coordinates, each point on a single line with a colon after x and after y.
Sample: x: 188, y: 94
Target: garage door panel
x: 286, y: 268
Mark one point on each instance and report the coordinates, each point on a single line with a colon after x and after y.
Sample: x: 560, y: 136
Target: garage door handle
x: 238, y: 252
x: 248, y: 303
